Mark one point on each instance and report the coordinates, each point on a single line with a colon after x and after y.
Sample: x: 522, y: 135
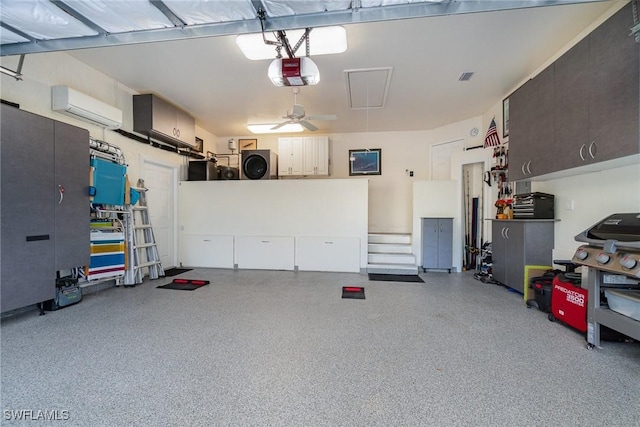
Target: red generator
x: 569, y: 301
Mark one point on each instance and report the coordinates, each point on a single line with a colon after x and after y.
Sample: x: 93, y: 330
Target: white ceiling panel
x: 42, y: 20
x: 195, y: 12
x: 118, y: 16
x: 297, y: 7
x: 10, y: 37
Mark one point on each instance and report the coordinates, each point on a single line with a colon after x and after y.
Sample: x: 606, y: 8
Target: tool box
x: 67, y: 293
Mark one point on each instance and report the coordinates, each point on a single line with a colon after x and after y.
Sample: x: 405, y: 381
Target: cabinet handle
x: 506, y: 232
x: 266, y: 241
x: 582, y: 147
x: 61, y: 192
x: 206, y: 240
x: 523, y: 171
x: 529, y: 167
x: 328, y: 243
x: 502, y: 233
x: 178, y: 130
x: 593, y: 152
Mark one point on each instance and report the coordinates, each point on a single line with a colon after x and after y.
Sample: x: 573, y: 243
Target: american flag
x: 492, y: 139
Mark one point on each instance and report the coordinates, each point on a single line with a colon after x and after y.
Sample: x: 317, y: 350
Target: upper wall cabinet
x: 581, y: 110
x: 158, y: 119
x: 303, y: 156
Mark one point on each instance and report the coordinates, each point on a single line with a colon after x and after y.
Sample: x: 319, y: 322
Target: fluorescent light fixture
x: 268, y: 128
x: 323, y: 41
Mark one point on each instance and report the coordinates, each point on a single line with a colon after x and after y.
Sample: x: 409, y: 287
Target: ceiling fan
x: 298, y: 115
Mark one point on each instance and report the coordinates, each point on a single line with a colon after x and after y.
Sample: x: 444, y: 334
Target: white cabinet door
x: 265, y: 252
x: 316, y: 155
x: 290, y: 157
x: 328, y: 254
x: 206, y: 251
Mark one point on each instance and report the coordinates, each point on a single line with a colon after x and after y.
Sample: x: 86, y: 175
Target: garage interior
x: 455, y: 149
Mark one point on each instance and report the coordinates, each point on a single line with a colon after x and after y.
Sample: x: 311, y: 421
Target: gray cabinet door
x: 515, y: 255
x: 429, y: 243
x: 445, y: 243
x: 437, y: 243
x: 72, y: 209
x: 614, y: 58
x: 531, y: 138
x: 571, y: 85
x: 27, y: 220
x: 499, y: 251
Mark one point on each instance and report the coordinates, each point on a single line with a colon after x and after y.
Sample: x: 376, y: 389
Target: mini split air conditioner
x: 84, y: 107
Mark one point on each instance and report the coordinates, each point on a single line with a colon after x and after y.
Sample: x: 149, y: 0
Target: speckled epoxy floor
x: 267, y: 348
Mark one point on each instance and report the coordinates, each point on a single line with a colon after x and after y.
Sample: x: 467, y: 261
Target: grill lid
x: 623, y: 228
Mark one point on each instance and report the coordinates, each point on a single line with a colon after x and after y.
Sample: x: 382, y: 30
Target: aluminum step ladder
x: 143, y: 250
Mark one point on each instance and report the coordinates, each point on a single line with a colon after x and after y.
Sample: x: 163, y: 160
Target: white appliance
x: 81, y: 106
x: 259, y: 164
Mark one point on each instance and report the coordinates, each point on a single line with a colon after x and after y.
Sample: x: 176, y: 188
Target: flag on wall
x: 492, y: 139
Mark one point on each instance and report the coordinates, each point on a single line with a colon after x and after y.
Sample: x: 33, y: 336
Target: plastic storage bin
x: 625, y: 302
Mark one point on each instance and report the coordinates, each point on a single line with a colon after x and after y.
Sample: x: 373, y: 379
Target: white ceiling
x: 211, y: 79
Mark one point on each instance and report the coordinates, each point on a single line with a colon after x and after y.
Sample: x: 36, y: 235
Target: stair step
x: 147, y: 264
x: 381, y: 268
x: 390, y: 238
x: 389, y: 248
x: 376, y: 258
x: 144, y: 245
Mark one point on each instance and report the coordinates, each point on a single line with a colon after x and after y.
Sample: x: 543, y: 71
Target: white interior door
x: 441, y: 155
x: 161, y: 182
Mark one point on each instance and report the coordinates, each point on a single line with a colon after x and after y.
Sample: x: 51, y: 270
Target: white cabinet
x: 328, y: 254
x: 303, y: 156
x: 290, y: 156
x: 316, y: 155
x: 265, y: 252
x: 206, y: 251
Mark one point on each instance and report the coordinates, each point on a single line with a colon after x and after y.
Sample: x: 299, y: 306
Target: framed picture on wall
x: 505, y: 117
x: 199, y: 145
x: 365, y: 162
x: 247, y: 144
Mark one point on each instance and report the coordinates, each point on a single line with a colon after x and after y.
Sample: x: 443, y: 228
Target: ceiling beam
x: 341, y: 17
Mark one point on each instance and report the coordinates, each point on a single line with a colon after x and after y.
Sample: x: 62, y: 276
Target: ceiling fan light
x: 268, y: 128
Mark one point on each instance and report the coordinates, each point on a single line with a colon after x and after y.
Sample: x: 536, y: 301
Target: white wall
x: 286, y: 208
x: 593, y: 197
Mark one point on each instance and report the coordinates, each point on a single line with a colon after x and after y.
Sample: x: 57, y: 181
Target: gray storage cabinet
x: 517, y: 243
x: 437, y: 244
x: 41, y: 232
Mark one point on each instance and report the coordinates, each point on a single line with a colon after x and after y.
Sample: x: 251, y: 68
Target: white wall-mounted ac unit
x: 84, y: 107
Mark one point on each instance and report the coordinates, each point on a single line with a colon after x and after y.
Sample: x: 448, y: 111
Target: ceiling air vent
x: 465, y: 76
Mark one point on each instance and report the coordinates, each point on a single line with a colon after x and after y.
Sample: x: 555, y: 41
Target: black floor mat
x: 188, y: 286
x: 175, y: 271
x: 395, y: 278
x: 352, y: 292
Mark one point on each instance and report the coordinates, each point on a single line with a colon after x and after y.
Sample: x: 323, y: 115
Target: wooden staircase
x: 391, y: 253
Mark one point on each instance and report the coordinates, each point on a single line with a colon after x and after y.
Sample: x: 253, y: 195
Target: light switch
x: 568, y: 205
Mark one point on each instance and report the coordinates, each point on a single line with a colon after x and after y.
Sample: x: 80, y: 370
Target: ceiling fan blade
x: 298, y: 111
x: 279, y: 125
x: 322, y: 117
x: 308, y: 125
